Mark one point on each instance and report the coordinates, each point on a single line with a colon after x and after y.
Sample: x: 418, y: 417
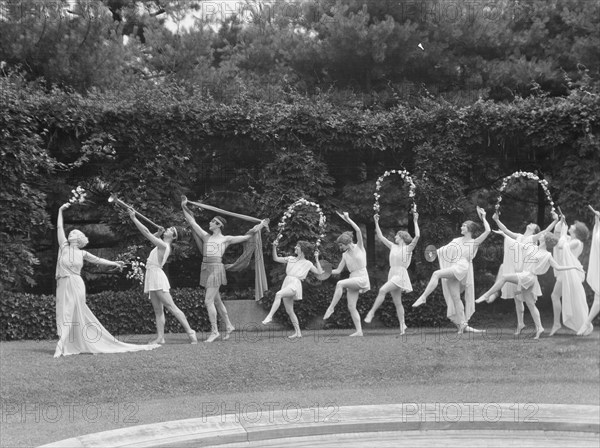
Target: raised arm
x: 486, y: 225
x: 142, y: 228
x: 276, y: 257
x: 317, y: 269
x: 415, y: 240
x: 189, y: 217
x: 380, y: 236
x: 359, y: 237
x: 555, y: 219
x: 242, y: 238
x: 60, y: 229
x: 502, y: 227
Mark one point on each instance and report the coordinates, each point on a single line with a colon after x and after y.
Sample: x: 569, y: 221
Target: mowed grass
x: 45, y: 399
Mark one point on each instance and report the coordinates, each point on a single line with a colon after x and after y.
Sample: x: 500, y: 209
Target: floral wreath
x: 290, y: 211
x: 411, y: 191
x: 78, y: 197
x: 528, y: 175
x: 137, y: 268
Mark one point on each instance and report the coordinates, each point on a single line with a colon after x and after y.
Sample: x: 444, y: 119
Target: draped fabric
x: 452, y: 255
x: 593, y: 273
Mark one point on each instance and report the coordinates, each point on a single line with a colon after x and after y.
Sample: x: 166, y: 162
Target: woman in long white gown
x: 78, y: 329
x: 593, y: 277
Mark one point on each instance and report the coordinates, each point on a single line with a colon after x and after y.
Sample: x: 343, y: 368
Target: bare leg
x: 594, y: 310
x: 388, y: 287
x: 167, y: 301
x: 352, y: 295
x: 447, y: 273
x: 556, y: 306
x: 520, y: 309
x: 288, y: 302
x: 348, y: 283
x: 159, y: 314
x: 287, y: 292
x: 229, y: 328
x: 209, y: 301
x: 496, y: 287
x: 535, y: 314
x: 397, y: 298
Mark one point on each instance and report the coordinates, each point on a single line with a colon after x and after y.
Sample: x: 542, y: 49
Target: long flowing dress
x: 574, y: 303
x: 296, y: 271
x: 593, y: 273
x: 459, y: 256
x: 78, y: 329
x: 400, y: 258
x: 356, y: 262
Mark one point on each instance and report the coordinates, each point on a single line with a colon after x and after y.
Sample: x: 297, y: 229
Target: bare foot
x: 267, y: 320
x: 193, y: 338
x: 420, y: 301
x: 538, y: 333
x: 228, y: 333
x: 213, y: 337
x: 555, y: 328
x: 294, y: 336
x: 328, y: 313
x: 160, y: 340
x: 482, y: 299
x: 403, y: 328
x: 585, y: 329
x: 519, y: 329
x: 369, y: 317
x: 493, y: 297
x: 356, y: 334
x: 473, y: 330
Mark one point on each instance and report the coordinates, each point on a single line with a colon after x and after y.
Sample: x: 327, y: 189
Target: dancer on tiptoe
x: 593, y: 276
x: 354, y: 257
x: 398, y: 280
x: 156, y: 283
x: 296, y: 270
x: 536, y: 261
x: 513, y: 262
x: 569, y: 285
x: 456, y: 273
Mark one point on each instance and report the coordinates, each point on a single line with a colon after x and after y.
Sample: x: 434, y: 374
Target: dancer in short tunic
x: 212, y: 274
x: 78, y: 329
x: 513, y: 262
x: 398, y: 280
x: 536, y: 261
x: 593, y: 276
x: 457, y: 274
x: 354, y: 258
x: 297, y: 268
x: 156, y: 283
x: 569, y: 285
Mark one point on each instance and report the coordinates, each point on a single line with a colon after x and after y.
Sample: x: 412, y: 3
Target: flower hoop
x: 78, y: 197
x: 411, y: 191
x: 528, y: 175
x: 290, y: 211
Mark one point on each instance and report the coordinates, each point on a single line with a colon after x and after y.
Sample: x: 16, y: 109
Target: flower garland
x: 290, y: 211
x: 137, y: 270
x: 528, y: 175
x: 411, y: 190
x: 78, y: 197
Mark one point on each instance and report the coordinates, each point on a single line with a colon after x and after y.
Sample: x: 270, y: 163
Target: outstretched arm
x: 558, y: 267
x: 486, y: 225
x: 359, y: 237
x: 555, y: 218
x: 502, y: 227
x: 189, y: 217
x: 276, y: 257
x: 380, y: 236
x: 142, y: 228
x: 340, y: 268
x: 102, y: 261
x: 60, y: 230
x: 242, y: 238
x: 415, y: 240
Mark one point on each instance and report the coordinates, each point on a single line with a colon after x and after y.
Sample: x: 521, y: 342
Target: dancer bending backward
x: 593, y: 277
x: 456, y: 263
x: 296, y: 270
x: 156, y: 283
x: 569, y: 285
x: 537, y: 260
x: 78, y: 329
x: 354, y: 257
x: 398, y: 280
x: 513, y: 262
x: 212, y: 274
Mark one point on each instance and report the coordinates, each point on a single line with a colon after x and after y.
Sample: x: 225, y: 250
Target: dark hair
x: 345, y: 238
x: 537, y: 227
x: 223, y: 220
x: 551, y: 240
x: 581, y: 232
x: 306, y: 248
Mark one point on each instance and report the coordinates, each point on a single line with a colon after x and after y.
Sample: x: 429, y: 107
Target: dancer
x: 296, y: 270
x: 569, y: 285
x: 537, y: 260
x: 156, y: 283
x: 212, y: 274
x: 398, y: 280
x: 513, y: 262
x: 456, y: 263
x: 78, y: 329
x: 593, y: 276
x: 354, y: 257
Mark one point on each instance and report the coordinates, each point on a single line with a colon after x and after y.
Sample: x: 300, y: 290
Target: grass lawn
x: 45, y: 399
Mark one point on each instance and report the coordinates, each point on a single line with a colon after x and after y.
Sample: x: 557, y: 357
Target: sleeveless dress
x: 356, y: 262
x: 155, y: 279
x: 512, y: 261
x: 535, y: 262
x: 79, y: 330
x: 400, y: 259
x: 296, y: 271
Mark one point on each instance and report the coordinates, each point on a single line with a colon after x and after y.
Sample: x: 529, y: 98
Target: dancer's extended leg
x: 159, y: 314
x: 287, y: 292
x: 397, y: 298
x: 167, y: 301
x: 387, y: 288
x: 348, y: 283
x: 556, y: 306
x: 535, y: 314
x: 497, y: 287
x: 288, y: 302
x: 447, y: 273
